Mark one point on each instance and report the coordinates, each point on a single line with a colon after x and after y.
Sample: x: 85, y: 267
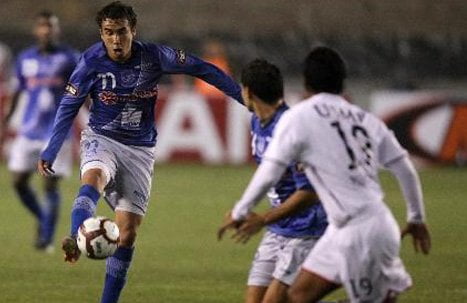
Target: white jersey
x: 342, y: 147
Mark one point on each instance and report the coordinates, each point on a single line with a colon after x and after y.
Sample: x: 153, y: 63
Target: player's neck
x: 266, y: 111
x: 308, y: 94
x: 47, y: 48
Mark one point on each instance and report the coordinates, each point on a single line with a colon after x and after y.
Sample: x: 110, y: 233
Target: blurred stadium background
x: 407, y: 63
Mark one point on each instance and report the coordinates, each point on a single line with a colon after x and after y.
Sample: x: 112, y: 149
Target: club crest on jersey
x: 128, y: 78
x: 181, y: 56
x: 71, y: 89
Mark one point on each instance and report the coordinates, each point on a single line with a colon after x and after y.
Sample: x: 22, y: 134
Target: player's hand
x: 229, y: 223
x: 252, y: 224
x: 45, y: 168
x: 420, y: 236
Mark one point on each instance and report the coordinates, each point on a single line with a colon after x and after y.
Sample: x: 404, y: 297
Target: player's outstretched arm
x: 267, y: 174
x: 409, y: 182
x: 175, y: 61
x: 254, y: 222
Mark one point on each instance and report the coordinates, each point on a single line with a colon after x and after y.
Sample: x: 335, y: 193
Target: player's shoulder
x: 94, y: 52
x: 298, y: 109
x: 167, y: 53
x: 28, y: 52
x: 148, y: 48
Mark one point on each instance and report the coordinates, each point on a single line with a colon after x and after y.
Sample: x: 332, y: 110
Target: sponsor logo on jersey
x: 71, y: 89
x: 110, y: 98
x: 181, y: 56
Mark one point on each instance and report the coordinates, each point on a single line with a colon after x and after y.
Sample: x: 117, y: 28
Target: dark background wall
x: 397, y: 40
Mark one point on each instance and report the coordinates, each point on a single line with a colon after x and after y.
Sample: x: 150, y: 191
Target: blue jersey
x: 124, y: 94
x: 309, y: 222
x: 42, y: 77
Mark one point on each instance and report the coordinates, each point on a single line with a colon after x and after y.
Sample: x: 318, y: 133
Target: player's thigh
x: 255, y: 294
x: 134, y: 179
x: 276, y: 293
x: 310, y: 287
x: 24, y: 154
x: 98, y: 160
x: 264, y: 261
x: 291, y: 256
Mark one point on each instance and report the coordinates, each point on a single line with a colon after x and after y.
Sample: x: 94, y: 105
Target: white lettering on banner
x: 202, y: 136
x: 238, y: 128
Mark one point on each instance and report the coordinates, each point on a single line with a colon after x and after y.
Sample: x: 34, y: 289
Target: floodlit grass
x: 178, y: 258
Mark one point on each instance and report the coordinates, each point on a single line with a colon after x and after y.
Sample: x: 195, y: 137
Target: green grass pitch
x: 179, y: 260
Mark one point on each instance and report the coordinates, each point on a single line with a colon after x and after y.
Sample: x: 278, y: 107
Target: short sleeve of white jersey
x: 285, y: 144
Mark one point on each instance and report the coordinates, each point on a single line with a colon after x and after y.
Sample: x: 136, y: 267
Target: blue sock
x: 116, y: 272
x: 29, y: 199
x: 49, y: 219
x: 83, y: 207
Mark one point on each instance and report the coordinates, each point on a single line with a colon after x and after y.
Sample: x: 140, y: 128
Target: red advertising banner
x: 431, y: 125
x: 190, y: 127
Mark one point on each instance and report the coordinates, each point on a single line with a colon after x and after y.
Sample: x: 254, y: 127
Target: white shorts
x: 363, y: 256
x: 280, y: 258
x: 25, y: 153
x: 128, y: 169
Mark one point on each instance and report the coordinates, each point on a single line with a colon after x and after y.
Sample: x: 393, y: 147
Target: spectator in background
x: 213, y: 52
x: 5, y: 74
x: 42, y: 72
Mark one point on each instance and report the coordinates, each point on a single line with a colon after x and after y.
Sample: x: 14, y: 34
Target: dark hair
x: 116, y: 10
x: 325, y: 71
x: 264, y: 80
x: 45, y: 14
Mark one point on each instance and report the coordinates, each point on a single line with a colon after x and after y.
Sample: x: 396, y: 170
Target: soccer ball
x: 98, y: 237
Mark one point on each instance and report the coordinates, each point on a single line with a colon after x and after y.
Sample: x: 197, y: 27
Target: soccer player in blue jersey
x: 42, y: 72
x: 120, y: 74
x: 296, y: 219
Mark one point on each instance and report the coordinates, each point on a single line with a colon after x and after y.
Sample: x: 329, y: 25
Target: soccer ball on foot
x: 98, y: 237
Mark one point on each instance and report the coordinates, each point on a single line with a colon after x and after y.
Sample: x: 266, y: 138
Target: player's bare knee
x: 127, y: 236
x: 95, y: 177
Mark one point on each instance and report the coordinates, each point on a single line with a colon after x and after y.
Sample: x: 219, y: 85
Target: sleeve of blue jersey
x: 301, y: 180
x: 176, y: 61
x: 81, y: 80
x: 19, y: 75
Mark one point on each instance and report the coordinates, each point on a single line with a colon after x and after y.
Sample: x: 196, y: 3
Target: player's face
x: 46, y: 31
x: 117, y: 36
x: 247, y: 98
